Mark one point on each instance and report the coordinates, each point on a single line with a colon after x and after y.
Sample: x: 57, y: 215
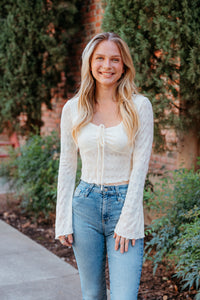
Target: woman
x: 112, y: 126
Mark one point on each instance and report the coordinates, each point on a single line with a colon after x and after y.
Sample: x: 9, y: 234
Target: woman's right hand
x: 66, y: 241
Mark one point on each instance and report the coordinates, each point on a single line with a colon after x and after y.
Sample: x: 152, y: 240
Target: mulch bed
x: 162, y: 286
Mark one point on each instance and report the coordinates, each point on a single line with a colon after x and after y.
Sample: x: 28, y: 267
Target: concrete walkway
x: 28, y: 271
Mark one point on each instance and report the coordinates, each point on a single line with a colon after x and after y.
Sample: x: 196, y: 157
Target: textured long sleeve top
x: 107, y: 157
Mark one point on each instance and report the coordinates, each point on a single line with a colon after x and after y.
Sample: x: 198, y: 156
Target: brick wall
x: 91, y: 17
x: 168, y: 160
x: 51, y: 118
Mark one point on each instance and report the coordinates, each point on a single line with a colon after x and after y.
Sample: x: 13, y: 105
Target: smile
x: 107, y: 74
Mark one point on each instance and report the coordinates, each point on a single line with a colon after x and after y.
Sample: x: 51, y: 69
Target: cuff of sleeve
x: 63, y: 230
x: 130, y: 228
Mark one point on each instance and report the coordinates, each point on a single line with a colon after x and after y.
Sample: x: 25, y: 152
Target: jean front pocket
x: 83, y: 191
x: 81, y: 197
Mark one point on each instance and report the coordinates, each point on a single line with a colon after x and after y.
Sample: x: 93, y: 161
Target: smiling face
x: 106, y: 64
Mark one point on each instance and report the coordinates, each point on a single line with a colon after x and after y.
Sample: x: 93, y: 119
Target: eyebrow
x: 99, y: 54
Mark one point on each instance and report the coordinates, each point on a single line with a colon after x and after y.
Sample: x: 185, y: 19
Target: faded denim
x: 95, y: 214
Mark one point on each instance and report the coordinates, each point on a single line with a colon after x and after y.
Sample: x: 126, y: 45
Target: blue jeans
x: 95, y: 214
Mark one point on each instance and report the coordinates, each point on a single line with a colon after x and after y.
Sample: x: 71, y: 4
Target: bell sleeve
x: 66, y: 175
x: 131, y: 222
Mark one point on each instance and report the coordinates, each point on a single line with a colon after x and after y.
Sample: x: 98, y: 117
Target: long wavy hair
x: 124, y: 90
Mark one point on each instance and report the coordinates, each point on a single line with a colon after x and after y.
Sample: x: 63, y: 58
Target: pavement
x: 28, y: 271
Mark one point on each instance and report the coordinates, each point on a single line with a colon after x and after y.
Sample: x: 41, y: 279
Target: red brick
x: 92, y: 7
x: 92, y: 19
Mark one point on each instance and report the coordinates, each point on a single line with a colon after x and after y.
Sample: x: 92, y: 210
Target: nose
x: 107, y: 63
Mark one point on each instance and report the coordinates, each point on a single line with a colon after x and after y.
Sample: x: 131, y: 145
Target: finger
x: 117, y: 239
x: 65, y: 241
x: 68, y: 241
x: 126, y: 245
x: 115, y: 235
x: 70, y: 238
x: 61, y: 238
x: 133, y: 242
x: 122, y: 242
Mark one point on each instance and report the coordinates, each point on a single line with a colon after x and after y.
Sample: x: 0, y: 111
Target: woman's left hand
x: 123, y: 242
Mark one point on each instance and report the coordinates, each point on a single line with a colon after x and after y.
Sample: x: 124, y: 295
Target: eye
x: 115, y: 59
x: 99, y: 58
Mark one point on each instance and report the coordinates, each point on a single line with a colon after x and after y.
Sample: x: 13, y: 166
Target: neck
x: 104, y: 94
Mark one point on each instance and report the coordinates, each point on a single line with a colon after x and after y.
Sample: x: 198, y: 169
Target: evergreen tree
x: 164, y: 39
x: 34, y: 38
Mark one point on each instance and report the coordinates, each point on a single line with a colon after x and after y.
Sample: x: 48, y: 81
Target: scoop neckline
x: 110, y: 127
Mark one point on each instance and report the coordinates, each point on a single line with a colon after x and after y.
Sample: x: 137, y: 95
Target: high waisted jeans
x: 95, y: 214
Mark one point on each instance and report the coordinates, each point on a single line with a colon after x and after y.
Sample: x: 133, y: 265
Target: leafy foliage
x: 164, y: 39
x: 176, y: 235
x: 35, y: 38
x: 188, y: 251
x: 33, y: 170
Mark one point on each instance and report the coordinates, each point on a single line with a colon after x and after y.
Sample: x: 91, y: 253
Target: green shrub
x: 187, y: 251
x: 35, y: 47
x: 33, y: 170
x: 176, y: 235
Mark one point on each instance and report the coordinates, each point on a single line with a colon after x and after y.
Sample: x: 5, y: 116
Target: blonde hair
x: 124, y: 91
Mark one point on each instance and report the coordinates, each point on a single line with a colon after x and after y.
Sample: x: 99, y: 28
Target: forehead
x: 107, y: 48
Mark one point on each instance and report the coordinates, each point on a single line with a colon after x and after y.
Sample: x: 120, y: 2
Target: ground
x: 162, y: 286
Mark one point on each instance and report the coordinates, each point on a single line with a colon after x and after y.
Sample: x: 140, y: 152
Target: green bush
x: 143, y: 24
x: 33, y: 170
x: 35, y: 47
x: 187, y: 251
x: 176, y: 235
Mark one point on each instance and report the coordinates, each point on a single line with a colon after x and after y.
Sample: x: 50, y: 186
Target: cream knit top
x: 107, y: 158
